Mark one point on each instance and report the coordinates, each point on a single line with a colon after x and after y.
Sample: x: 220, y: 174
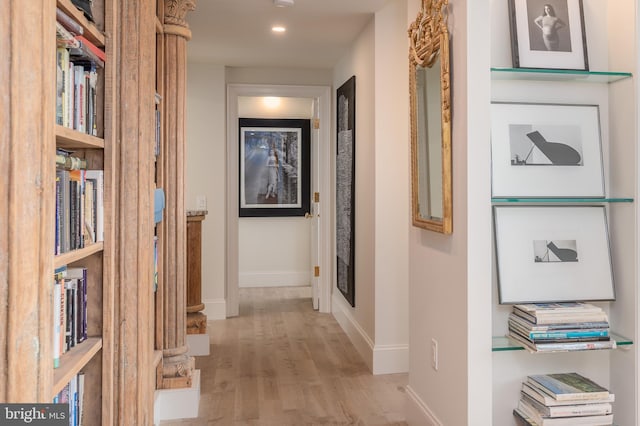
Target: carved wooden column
x: 177, y: 365
x: 196, y: 320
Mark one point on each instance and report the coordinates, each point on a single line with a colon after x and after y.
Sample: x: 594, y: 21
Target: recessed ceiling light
x: 271, y: 101
x: 278, y: 29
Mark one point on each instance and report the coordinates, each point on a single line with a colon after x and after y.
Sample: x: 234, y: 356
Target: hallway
x: 282, y: 363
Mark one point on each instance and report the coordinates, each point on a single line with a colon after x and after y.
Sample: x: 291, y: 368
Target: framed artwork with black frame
x: 548, y: 34
x: 345, y: 189
x: 552, y: 254
x: 274, y: 167
x: 546, y: 150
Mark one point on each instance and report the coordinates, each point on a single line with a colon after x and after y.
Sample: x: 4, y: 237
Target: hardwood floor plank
x: 280, y: 363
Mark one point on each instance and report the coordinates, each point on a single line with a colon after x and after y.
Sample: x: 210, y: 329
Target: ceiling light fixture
x: 278, y: 29
x: 271, y: 102
x: 283, y: 3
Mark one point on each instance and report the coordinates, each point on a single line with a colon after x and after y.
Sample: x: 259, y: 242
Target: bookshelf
x: 611, y: 85
x: 119, y: 348
x: 94, y: 356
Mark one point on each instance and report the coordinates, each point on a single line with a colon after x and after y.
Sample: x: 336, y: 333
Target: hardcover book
x: 568, y: 386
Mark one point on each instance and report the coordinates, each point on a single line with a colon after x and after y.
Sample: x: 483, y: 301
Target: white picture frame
x: 552, y: 254
x: 548, y: 34
x: 546, y: 151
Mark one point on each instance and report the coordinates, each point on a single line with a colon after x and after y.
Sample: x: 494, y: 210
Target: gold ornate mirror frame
x: 429, y: 46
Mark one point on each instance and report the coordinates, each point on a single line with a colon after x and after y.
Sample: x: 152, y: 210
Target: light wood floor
x: 282, y: 363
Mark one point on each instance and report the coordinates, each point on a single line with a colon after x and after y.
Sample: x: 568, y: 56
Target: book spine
x: 92, y: 47
x: 56, y: 322
x: 68, y: 22
x: 60, y: 84
x: 70, y: 93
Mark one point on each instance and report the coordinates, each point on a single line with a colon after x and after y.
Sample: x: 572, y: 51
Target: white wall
x: 206, y: 174
x: 392, y: 190
x: 378, y: 324
x: 360, y: 320
x: 274, y: 251
x: 448, y: 302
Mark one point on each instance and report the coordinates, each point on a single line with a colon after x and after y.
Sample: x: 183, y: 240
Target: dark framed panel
x: 274, y: 167
x: 345, y: 188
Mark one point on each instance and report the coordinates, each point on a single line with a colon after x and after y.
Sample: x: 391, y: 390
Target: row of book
x: 79, y: 206
x: 77, y: 61
x: 560, y: 327
x: 69, y: 310
x: 563, y: 399
x: 73, y: 395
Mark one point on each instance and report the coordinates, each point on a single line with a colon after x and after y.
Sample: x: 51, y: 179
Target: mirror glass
x: 429, y: 131
x: 429, y: 93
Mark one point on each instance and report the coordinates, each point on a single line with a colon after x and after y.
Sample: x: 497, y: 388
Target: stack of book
x: 563, y: 399
x: 560, y: 327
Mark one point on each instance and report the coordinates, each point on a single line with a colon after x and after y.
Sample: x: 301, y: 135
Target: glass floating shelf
x: 558, y: 75
x: 560, y: 200
x: 503, y: 343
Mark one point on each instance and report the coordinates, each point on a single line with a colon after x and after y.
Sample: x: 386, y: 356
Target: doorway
x: 318, y: 222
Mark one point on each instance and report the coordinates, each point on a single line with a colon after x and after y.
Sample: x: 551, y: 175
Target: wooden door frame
x: 323, y: 95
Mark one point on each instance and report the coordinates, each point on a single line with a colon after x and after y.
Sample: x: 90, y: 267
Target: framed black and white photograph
x: 546, y: 150
x: 345, y: 189
x: 548, y: 34
x: 552, y: 254
x: 274, y: 167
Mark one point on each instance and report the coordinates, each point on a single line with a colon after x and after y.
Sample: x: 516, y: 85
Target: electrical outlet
x: 434, y: 354
x: 201, y: 202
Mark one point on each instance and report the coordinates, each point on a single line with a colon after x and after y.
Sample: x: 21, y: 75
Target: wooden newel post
x: 196, y: 320
x: 177, y: 366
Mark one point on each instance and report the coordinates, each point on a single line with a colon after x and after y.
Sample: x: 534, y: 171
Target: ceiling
x: 238, y: 32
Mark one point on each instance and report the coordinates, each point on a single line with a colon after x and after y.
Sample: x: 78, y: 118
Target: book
x: 566, y: 346
x: 568, y: 386
x: 69, y: 162
x: 567, y: 317
x: 540, y: 309
x: 62, y: 68
x: 558, y: 334
x: 68, y: 22
x: 98, y: 177
x: 79, y: 276
x: 64, y: 38
x: 83, y: 55
x: 533, y: 417
x: 550, y: 401
x: 513, y: 318
x: 58, y: 284
x: 573, y: 410
x: 92, y: 47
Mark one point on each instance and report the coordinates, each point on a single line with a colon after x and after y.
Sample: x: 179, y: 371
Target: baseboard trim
x: 381, y: 359
x: 215, y: 309
x: 274, y: 279
x: 417, y: 412
x: 390, y: 359
x: 362, y: 342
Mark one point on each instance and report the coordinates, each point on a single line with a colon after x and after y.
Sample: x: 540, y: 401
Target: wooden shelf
x: 73, y: 139
x: 73, y: 361
x: 75, y: 255
x: 92, y: 33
